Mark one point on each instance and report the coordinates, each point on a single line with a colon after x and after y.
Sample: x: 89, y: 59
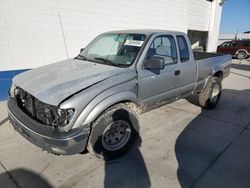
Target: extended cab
x: 92, y: 101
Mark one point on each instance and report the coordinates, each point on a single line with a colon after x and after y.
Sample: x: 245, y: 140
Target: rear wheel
x: 241, y: 55
x: 209, y: 98
x: 114, y: 132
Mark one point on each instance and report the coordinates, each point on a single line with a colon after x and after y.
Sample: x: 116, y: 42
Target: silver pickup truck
x: 92, y: 102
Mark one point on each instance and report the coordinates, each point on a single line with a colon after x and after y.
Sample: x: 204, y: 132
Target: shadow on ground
x: 200, y: 146
x: 23, y: 178
x: 128, y: 171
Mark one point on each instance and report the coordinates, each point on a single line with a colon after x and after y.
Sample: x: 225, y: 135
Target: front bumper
x: 44, y: 136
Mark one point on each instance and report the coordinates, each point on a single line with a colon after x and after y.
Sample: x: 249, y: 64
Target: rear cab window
x: 183, y: 48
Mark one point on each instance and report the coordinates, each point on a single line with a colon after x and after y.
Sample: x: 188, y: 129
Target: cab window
x: 225, y: 44
x: 229, y: 44
x: 163, y: 46
x: 232, y: 44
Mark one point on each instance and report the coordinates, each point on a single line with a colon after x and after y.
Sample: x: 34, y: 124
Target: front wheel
x: 113, y: 132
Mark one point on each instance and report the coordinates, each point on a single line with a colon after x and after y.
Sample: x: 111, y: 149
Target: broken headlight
x: 62, y: 117
x: 40, y: 111
x: 12, y: 90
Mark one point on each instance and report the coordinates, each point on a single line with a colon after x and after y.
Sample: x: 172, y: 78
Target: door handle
x: 177, y: 72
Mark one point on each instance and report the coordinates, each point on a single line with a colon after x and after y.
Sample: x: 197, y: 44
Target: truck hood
x: 53, y: 83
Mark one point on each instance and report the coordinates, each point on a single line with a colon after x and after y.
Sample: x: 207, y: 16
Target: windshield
x: 117, y: 49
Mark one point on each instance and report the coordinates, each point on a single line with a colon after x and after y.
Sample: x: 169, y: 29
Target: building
x: 31, y: 31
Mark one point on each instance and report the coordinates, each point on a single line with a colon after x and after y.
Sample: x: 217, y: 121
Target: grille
x: 34, y: 108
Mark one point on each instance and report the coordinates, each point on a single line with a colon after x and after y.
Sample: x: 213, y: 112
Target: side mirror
x: 81, y: 50
x: 156, y: 63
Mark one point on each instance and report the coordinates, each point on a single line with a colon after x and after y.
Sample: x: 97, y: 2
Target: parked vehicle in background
x: 93, y: 101
x: 237, y: 48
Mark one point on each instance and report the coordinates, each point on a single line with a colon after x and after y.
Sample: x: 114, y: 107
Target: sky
x: 235, y: 16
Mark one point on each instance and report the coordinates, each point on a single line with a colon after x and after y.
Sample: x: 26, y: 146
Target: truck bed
x: 204, y: 55
x: 209, y: 62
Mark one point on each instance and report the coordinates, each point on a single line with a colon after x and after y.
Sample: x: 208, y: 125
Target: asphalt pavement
x: 181, y: 145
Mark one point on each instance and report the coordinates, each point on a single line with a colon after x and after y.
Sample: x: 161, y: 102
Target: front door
x: 156, y: 87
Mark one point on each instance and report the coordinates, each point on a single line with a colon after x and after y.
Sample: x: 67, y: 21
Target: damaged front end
x: 43, y: 113
x: 45, y: 125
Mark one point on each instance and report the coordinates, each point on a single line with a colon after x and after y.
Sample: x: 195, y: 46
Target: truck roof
x: 146, y: 31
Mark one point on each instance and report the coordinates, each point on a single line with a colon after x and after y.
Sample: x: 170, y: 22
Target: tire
x: 113, y: 132
x: 241, y: 55
x: 210, y: 97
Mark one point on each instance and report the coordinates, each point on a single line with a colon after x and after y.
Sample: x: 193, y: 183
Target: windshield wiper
x: 81, y: 57
x: 107, y: 61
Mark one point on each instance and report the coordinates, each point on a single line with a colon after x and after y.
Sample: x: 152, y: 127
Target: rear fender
x: 206, y: 83
x: 216, y: 70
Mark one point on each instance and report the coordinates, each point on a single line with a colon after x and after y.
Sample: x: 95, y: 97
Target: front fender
x: 90, y: 113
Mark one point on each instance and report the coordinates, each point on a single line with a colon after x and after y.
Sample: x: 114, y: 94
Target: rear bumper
x: 45, y: 137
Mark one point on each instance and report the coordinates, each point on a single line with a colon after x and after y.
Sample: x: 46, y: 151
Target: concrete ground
x: 181, y: 146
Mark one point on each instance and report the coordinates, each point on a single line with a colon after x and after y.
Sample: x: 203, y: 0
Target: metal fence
x: 227, y: 37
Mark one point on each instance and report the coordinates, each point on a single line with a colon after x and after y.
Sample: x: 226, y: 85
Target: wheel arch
x: 218, y: 74
x: 240, y: 50
x: 120, y: 97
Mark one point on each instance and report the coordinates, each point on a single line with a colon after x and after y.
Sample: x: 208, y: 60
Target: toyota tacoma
x: 92, y: 102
